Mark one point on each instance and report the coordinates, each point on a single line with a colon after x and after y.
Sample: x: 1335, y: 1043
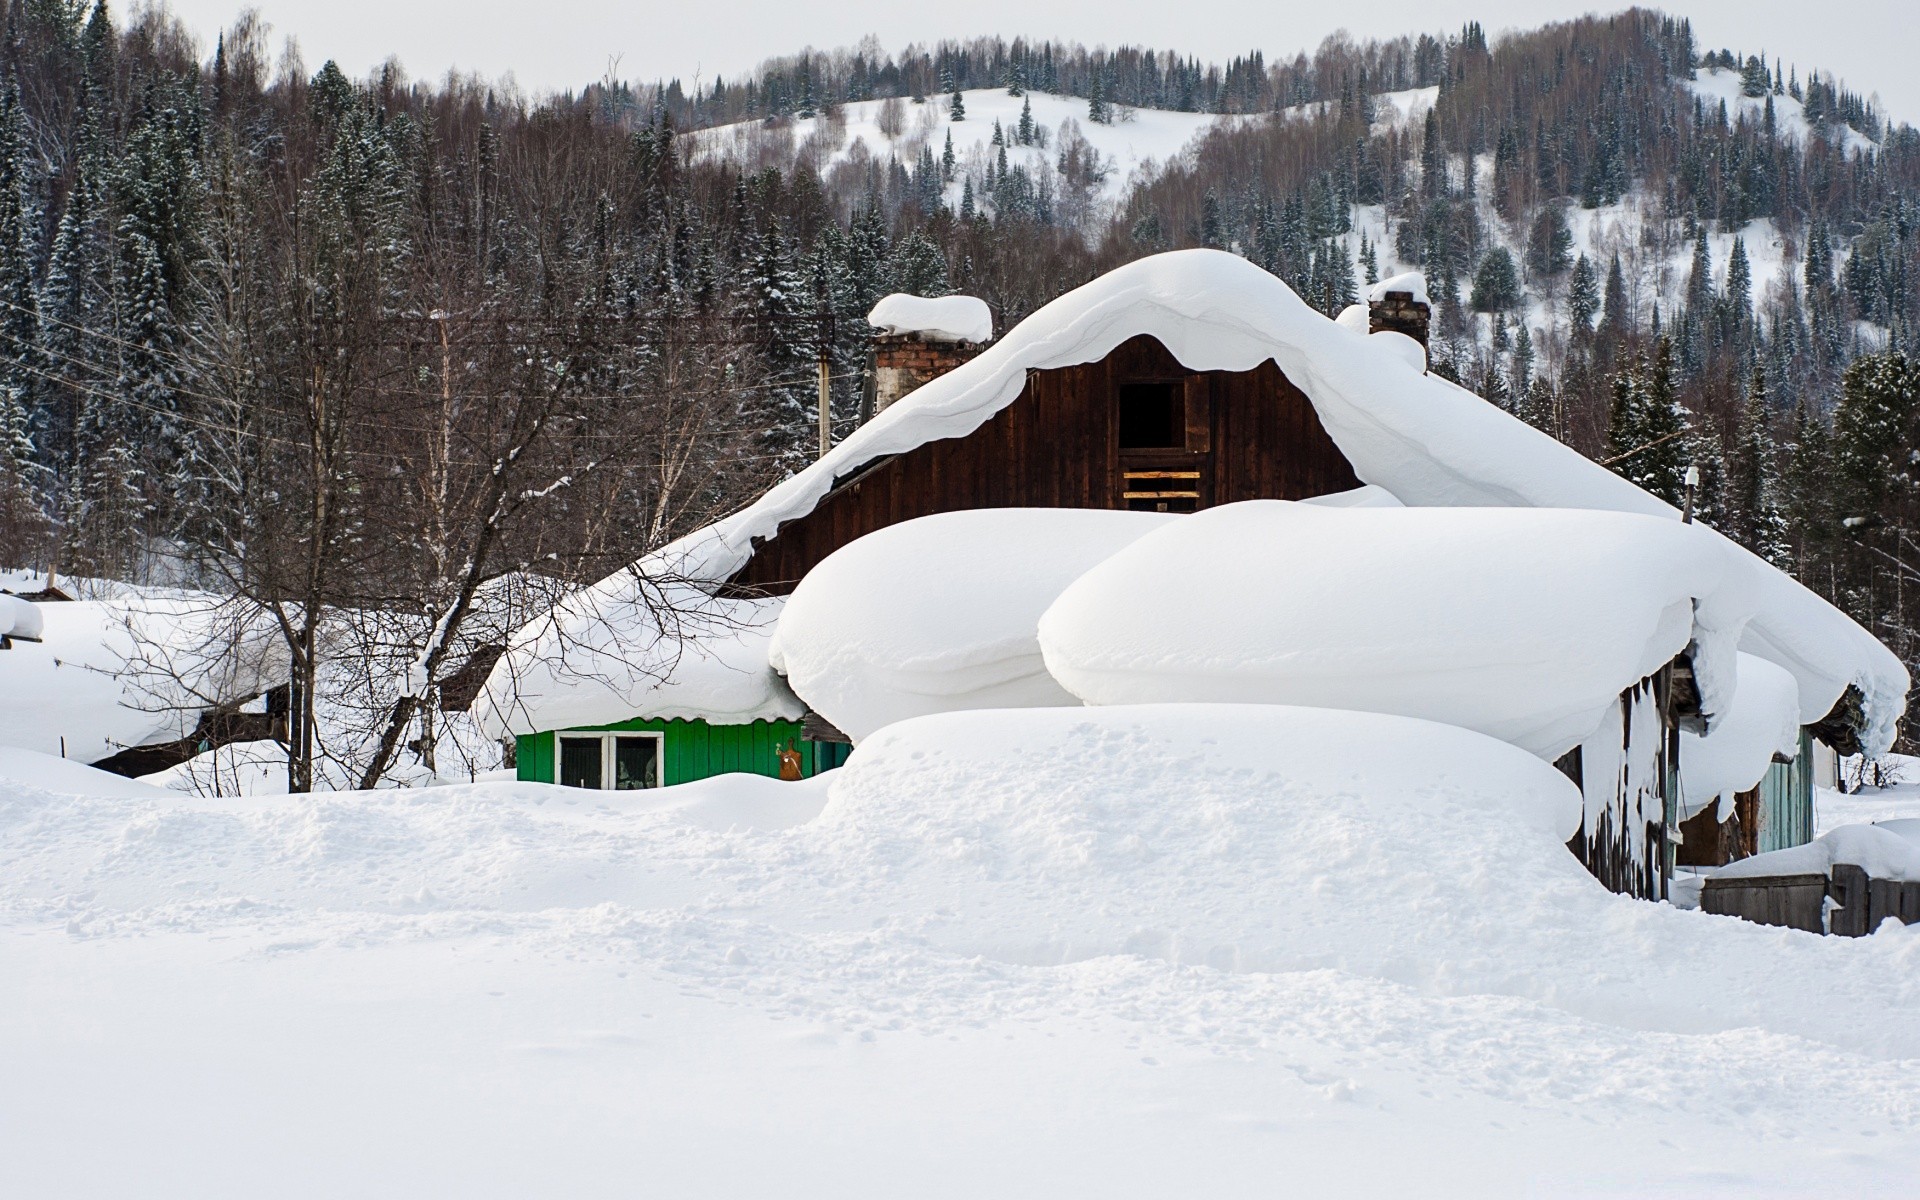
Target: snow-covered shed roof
x: 1425, y: 440
x: 936, y: 318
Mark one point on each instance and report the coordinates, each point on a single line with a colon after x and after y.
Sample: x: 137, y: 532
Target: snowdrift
x: 940, y: 613
x: 1521, y: 624
x: 937, y: 318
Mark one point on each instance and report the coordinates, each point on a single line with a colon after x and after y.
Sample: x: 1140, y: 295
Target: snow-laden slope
x: 1132, y: 146
x: 1124, y: 952
x: 1720, y: 85
x: 1141, y: 138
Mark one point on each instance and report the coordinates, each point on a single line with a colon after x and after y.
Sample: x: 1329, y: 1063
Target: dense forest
x: 343, y: 345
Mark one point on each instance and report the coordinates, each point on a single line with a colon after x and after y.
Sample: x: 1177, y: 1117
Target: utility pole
x: 826, y: 379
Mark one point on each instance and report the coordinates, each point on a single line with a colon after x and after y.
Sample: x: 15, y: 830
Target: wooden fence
x: 1859, y: 905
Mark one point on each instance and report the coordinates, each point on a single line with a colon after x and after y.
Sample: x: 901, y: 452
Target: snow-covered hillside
x: 1121, y: 952
x: 1131, y: 147
x: 1718, y: 85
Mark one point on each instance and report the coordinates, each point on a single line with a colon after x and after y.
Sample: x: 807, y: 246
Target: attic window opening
x: 1152, y: 417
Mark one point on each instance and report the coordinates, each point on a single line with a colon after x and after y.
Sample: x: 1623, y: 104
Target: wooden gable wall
x: 1250, y: 435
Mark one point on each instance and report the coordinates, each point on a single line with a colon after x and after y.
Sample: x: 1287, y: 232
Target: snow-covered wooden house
x: 1180, y: 383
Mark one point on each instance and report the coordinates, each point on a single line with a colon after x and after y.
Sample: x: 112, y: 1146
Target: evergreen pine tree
x: 1496, y: 284
x: 1025, y: 131
x: 1753, y: 506
x: 1583, y: 297
x: 1614, y: 319
x: 1740, y: 282
x: 1808, y: 485
x: 956, y: 108
x: 946, y: 159
x: 1097, y: 109
x: 1523, y: 363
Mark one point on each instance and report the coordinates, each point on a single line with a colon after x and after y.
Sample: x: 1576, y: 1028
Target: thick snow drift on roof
x: 941, y: 613
x: 631, y: 646
x: 1413, y: 282
x: 20, y: 618
x: 130, y: 671
x: 1522, y: 624
x: 1762, y: 720
x: 1881, y: 853
x: 64, y: 776
x: 937, y: 318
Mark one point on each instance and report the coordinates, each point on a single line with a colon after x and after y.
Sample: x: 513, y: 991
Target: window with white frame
x: 610, y: 761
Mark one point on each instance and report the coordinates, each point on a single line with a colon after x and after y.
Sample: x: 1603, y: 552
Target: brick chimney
x: 920, y: 338
x: 904, y: 361
x: 1399, y: 311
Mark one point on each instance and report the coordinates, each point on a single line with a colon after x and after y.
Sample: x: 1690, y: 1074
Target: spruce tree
x: 1740, y: 282
x: 1614, y: 318
x: 956, y: 108
x: 1753, y: 504
x: 1523, y: 362
x: 1496, y: 284
x: 1097, y: 111
x: 1583, y: 298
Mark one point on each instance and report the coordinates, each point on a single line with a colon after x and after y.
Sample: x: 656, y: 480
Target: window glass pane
x: 580, y: 762
x: 1152, y: 417
x: 636, y: 763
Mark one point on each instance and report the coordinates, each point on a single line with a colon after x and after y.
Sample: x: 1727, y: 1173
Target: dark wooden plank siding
x: 1251, y: 435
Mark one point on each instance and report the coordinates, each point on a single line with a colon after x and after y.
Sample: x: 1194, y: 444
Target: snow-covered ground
x: 1897, y: 799
x: 1124, y: 952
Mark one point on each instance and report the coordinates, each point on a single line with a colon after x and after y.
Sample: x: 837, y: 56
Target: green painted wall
x: 1786, y: 801
x: 694, y: 749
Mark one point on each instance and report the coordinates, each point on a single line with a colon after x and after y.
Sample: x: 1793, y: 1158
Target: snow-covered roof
x: 1426, y: 441
x: 936, y: 318
x: 20, y: 618
x: 1522, y: 624
x: 631, y: 646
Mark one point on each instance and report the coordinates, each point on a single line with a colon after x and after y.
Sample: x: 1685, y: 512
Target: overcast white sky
x: 549, y: 44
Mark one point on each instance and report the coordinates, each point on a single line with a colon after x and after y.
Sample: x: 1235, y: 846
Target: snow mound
x: 1522, y: 624
x: 1401, y: 347
x: 1248, y: 837
x: 937, y: 318
x: 1881, y: 852
x: 940, y: 613
x: 1762, y: 720
x: 62, y: 776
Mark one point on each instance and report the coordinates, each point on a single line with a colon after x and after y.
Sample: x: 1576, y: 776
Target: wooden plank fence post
x: 1848, y: 885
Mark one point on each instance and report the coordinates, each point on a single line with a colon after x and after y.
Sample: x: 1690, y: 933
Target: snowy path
x: 1021, y: 972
